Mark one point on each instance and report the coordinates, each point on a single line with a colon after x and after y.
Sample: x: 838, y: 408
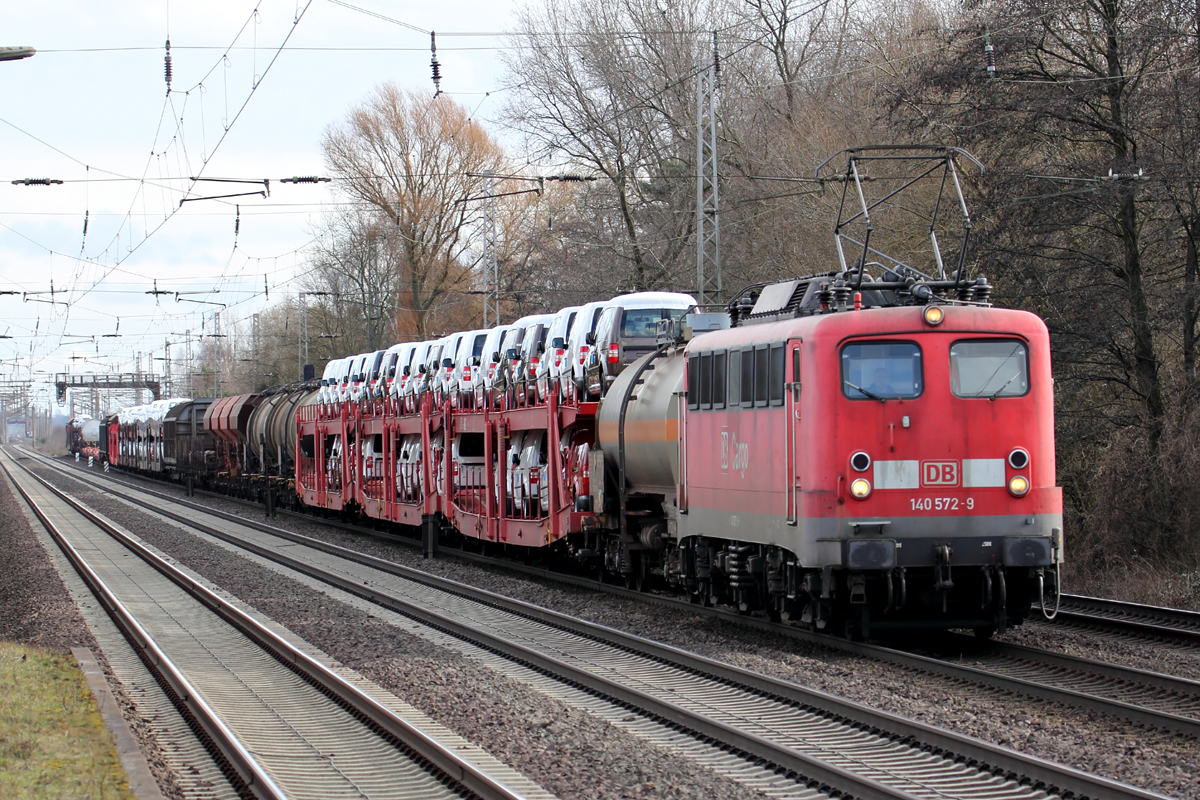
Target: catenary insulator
x: 167, y: 65
x: 434, y: 65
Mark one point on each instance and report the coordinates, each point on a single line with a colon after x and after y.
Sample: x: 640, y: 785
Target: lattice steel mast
x: 491, y: 278
x: 708, y: 230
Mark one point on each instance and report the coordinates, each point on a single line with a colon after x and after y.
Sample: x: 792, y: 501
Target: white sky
x: 94, y: 95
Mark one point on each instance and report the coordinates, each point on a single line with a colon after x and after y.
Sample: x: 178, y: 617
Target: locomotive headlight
x: 934, y: 315
x: 1018, y: 459
x: 860, y: 488
x: 861, y: 462
x: 1018, y: 485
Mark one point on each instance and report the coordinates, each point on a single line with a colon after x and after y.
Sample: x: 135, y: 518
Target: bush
x: 1133, y: 515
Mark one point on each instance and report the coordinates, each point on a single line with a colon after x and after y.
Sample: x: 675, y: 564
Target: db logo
x: 939, y: 473
x: 740, y: 452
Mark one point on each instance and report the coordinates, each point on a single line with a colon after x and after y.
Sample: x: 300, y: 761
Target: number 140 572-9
x: 941, y: 503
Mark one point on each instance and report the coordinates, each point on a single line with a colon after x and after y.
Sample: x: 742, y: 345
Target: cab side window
x: 735, y: 377
x: 761, y: 375
x: 706, y: 380
x: 718, y: 380
x: 747, y: 382
x: 778, y: 360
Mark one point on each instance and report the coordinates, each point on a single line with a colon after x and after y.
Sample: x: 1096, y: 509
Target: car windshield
x: 989, y: 368
x: 881, y: 370
x: 642, y: 323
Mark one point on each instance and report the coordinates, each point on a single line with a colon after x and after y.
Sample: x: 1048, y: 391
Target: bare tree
x: 356, y: 280
x: 417, y: 158
x: 610, y: 87
x: 1074, y: 102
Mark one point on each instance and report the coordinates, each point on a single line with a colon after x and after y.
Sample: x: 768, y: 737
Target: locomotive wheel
x: 637, y: 579
x: 858, y: 623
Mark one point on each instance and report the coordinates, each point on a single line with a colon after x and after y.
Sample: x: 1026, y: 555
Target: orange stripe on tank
x: 642, y: 431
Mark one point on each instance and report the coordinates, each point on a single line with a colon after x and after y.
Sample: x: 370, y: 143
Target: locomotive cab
x: 943, y: 508
x: 873, y: 468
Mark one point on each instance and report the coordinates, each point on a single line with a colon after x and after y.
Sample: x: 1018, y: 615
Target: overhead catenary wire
x: 224, y: 134
x: 235, y: 222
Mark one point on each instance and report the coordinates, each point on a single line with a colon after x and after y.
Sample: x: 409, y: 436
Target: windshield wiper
x: 1005, y: 386
x: 871, y: 395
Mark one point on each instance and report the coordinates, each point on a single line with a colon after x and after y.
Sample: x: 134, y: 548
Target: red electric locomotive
x: 856, y: 452
x: 869, y: 467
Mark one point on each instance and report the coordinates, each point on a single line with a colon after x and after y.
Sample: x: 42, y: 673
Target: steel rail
x: 979, y: 675
x: 1156, y: 681
x: 989, y: 757
x: 230, y: 755
x: 1158, y: 621
x: 454, y: 767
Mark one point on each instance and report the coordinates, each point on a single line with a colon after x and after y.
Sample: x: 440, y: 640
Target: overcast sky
x: 91, y: 109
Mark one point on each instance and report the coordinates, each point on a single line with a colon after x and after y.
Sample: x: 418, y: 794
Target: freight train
x: 856, y: 450
x: 83, y: 436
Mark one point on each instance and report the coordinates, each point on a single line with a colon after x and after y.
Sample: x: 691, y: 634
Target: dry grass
x: 1132, y: 520
x: 53, y: 742
x: 1138, y: 583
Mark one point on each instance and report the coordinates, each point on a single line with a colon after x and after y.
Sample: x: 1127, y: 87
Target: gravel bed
x: 1088, y: 741
x: 591, y: 759
x: 37, y: 610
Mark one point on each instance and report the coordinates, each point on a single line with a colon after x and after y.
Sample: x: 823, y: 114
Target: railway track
x: 1134, y: 618
x: 1138, y: 696
x: 276, y: 720
x: 818, y: 740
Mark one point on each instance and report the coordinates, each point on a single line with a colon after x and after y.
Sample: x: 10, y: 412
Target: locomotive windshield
x: 989, y: 368
x: 881, y: 370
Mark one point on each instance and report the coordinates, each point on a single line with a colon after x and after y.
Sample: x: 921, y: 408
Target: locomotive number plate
x: 941, y: 503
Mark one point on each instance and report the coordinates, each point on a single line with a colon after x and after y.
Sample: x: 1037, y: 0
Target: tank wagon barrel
x: 651, y: 425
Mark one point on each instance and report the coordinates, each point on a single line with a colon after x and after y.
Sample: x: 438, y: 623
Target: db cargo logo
x: 939, y: 473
